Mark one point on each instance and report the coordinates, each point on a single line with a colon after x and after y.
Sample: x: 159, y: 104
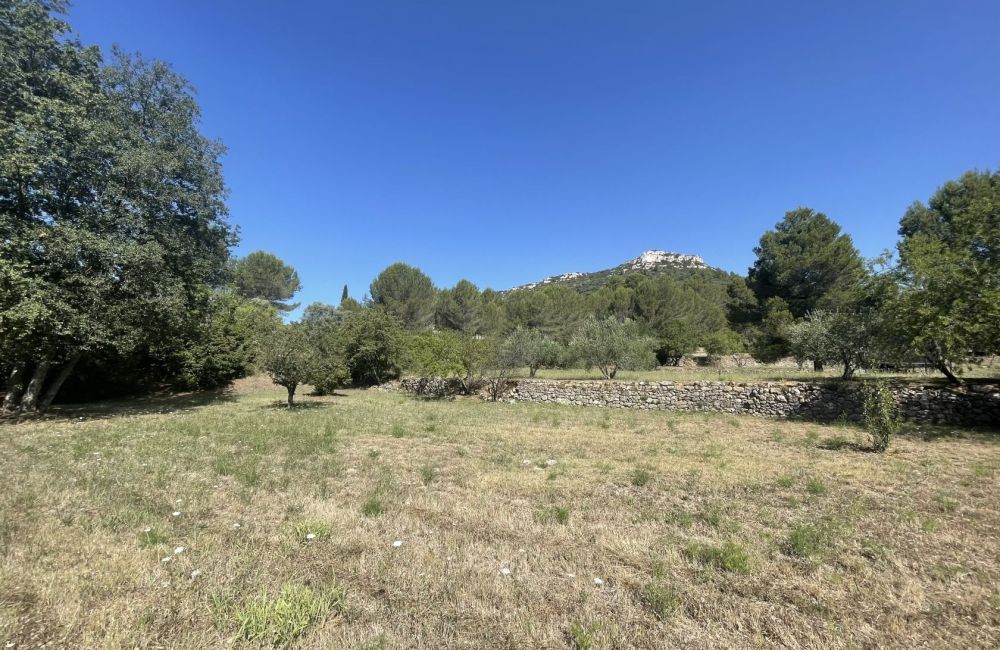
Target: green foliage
x: 227, y: 343
x: 722, y: 342
x: 771, y: 340
x: 460, y: 308
x: 112, y: 213
x: 611, y: 345
x: 641, y: 476
x: 807, y: 262
x: 948, y: 307
x: 809, y: 541
x: 728, y: 557
x: 583, y: 637
x: 532, y: 350
x: 881, y: 414
x: 279, y: 620
x: 660, y: 599
x: 328, y: 370
x: 263, y: 276
x: 372, y: 344
x: 288, y: 358
x: 407, y: 293
x: 310, y: 530
x: 675, y: 338
x: 446, y: 353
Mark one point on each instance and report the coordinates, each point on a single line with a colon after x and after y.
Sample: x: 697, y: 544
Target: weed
x: 427, y: 474
x: 641, y: 476
x: 397, y: 431
x: 881, y: 414
x: 815, y: 487
x: 557, y: 514
x: 151, y: 537
x: 680, y: 518
x: 835, y: 443
x: 730, y: 556
x: 583, y: 637
x: 809, y: 541
x: 311, y: 530
x: 373, y: 506
x: 661, y: 600
x: 786, y: 481
x: 946, y: 504
x: 279, y: 620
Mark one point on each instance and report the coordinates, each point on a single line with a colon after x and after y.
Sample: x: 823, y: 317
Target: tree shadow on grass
x: 282, y: 405
x: 164, y: 403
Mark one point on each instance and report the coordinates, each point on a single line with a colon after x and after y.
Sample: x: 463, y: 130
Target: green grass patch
x: 729, y: 557
x: 659, y: 599
x: 280, y: 619
x: 311, y: 530
x: 641, y: 477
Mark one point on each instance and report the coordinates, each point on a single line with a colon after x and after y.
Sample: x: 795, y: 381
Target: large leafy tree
x: 949, y: 272
x: 460, y: 308
x: 112, y: 213
x: 373, y: 346
x: 407, y: 293
x: 264, y: 276
x: 807, y: 262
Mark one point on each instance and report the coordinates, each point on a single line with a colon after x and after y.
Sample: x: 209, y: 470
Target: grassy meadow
x: 376, y: 520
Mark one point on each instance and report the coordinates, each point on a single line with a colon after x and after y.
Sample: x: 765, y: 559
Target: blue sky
x: 507, y: 141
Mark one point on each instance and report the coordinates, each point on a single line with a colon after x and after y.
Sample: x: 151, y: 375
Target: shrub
x: 583, y: 637
x: 881, y: 414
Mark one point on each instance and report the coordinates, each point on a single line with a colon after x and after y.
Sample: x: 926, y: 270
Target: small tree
x: 881, y: 414
x: 845, y: 337
x: 611, y: 345
x: 675, y: 338
x: 505, y: 359
x: 446, y: 353
x: 288, y: 358
x: 531, y: 349
x: 722, y: 342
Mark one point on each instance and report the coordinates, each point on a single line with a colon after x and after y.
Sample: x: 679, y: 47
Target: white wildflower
x: 175, y: 513
x: 598, y: 582
x: 195, y: 573
x: 178, y: 550
x: 397, y: 543
x: 504, y: 571
x: 166, y: 559
x: 550, y: 462
x: 311, y: 536
x: 236, y: 526
x: 147, y: 530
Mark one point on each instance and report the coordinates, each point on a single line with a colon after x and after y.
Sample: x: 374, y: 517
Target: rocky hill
x: 651, y: 262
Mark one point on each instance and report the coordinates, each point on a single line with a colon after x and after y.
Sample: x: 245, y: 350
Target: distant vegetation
x: 116, y: 273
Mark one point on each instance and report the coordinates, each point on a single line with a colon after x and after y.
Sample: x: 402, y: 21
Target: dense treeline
x: 116, y: 273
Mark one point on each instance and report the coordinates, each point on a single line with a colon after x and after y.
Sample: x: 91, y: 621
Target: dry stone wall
x: 975, y: 405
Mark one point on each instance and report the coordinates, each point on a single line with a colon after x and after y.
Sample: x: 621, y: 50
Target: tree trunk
x: 938, y: 360
x: 817, y: 366
x: 532, y: 370
x: 15, y: 386
x: 30, y: 400
x: 291, y: 393
x: 63, y: 375
x: 612, y: 371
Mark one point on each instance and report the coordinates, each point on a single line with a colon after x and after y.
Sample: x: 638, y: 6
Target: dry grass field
x: 376, y: 520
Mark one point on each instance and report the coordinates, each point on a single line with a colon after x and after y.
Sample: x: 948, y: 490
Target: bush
x: 881, y: 414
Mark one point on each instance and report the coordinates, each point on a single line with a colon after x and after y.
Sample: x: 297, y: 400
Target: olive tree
x: 288, y: 358
x: 612, y: 345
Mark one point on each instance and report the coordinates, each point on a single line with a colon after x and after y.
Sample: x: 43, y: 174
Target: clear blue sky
x: 508, y: 141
